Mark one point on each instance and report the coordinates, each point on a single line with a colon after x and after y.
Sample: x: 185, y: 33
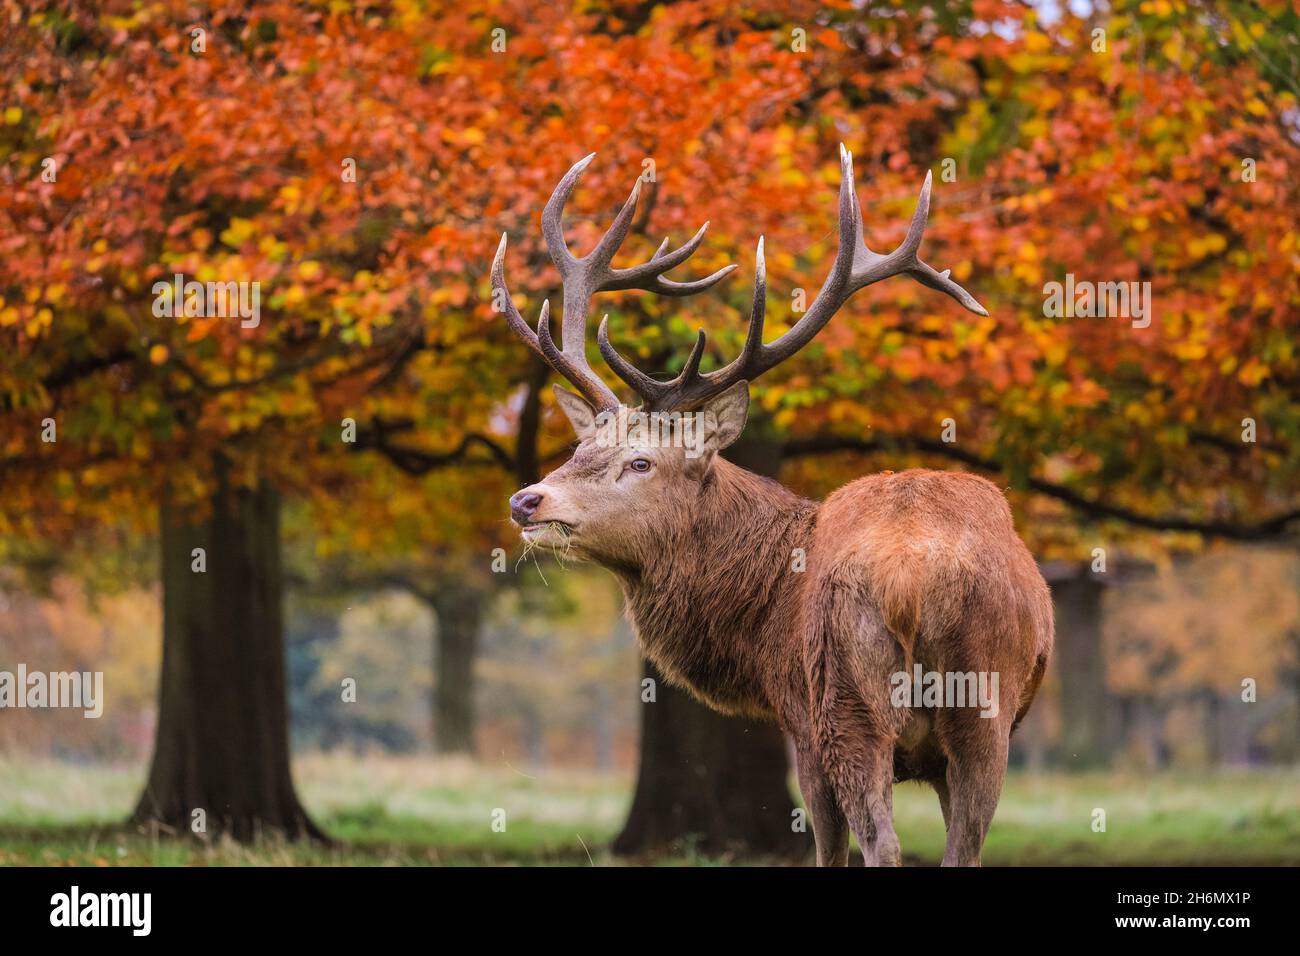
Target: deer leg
x: 871, y: 810
x: 940, y: 785
x: 859, y: 760
x: 855, y: 722
x: 830, y: 829
x: 977, y: 766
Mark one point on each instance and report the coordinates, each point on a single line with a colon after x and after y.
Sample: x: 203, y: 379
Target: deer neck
x: 715, y: 609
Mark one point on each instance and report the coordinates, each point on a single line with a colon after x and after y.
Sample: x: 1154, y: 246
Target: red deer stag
x: 916, y: 569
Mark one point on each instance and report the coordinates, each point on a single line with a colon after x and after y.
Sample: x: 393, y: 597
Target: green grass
x: 1219, y: 818
x: 380, y: 810
x: 420, y: 811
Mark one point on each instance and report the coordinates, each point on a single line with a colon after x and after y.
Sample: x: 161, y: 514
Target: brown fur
x: 918, y: 566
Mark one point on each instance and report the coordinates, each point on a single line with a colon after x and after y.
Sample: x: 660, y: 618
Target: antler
x: 856, y: 267
x: 583, y: 277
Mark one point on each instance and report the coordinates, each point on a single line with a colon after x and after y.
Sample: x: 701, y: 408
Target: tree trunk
x: 222, y: 744
x: 459, y: 610
x: 709, y: 782
x: 1086, y: 738
x: 1234, y: 731
x: 1151, y: 725
x: 619, y: 635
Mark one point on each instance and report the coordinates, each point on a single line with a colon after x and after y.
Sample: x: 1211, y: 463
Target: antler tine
x: 584, y: 276
x: 651, y: 390
x: 649, y: 275
x: 579, y: 373
x: 690, y: 388
x: 553, y: 213
x: 576, y: 371
x: 857, y: 267
x: 925, y: 275
x: 677, y: 290
x: 757, y: 312
x: 513, y: 318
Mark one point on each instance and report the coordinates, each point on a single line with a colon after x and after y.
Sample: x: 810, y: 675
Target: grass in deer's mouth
x: 564, y: 531
x: 561, y: 528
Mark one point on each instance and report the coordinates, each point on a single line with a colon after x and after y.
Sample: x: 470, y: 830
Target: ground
x: 416, y: 810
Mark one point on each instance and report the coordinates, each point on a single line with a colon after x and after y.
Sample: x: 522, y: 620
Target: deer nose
x: 523, y: 504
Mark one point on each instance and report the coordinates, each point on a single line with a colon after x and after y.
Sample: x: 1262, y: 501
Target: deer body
x: 767, y: 604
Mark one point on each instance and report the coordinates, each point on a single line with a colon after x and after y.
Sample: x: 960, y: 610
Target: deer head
x: 636, y: 474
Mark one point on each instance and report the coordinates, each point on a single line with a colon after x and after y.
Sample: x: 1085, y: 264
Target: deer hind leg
x: 872, y: 818
x: 977, y: 766
x: 861, y: 769
x: 864, y: 781
x: 940, y: 785
x: 830, y: 829
x: 857, y: 726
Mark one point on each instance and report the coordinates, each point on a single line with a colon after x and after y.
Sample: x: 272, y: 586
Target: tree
x: 221, y: 759
x: 113, y: 403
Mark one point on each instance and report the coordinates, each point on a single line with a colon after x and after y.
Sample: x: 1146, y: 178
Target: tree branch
x: 416, y: 461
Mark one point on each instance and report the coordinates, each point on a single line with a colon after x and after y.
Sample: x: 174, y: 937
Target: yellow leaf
x: 240, y: 230
x: 1252, y: 373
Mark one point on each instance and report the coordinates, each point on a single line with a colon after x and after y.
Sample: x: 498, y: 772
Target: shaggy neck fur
x: 714, y: 607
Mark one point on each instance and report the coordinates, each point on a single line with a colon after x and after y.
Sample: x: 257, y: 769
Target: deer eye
x: 640, y: 464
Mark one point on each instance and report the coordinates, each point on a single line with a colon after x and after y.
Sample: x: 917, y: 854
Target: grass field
x: 422, y: 811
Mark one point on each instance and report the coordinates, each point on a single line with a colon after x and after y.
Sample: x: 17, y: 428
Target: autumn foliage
x: 1126, y: 164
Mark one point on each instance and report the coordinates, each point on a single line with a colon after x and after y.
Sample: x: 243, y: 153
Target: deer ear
x: 725, y: 416
x: 580, y: 414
